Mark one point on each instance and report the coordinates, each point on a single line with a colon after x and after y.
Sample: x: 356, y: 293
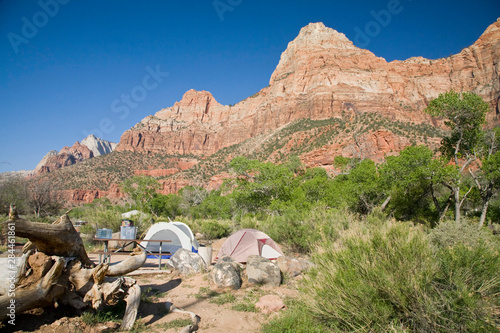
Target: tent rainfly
x: 246, y: 242
x: 178, y: 233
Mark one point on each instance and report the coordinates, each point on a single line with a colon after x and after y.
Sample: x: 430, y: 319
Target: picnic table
x: 106, y: 254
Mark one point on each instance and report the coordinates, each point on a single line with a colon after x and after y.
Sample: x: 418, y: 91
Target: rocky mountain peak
x: 44, y: 160
x: 317, y: 34
x: 314, y: 42
x: 97, y: 145
x: 90, y: 147
x: 194, y: 97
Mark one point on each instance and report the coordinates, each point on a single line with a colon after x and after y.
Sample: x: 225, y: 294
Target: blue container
x: 104, y: 234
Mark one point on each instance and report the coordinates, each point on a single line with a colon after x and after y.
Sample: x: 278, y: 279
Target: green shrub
x: 214, y: 230
x: 370, y: 277
x: 289, y: 229
x: 450, y: 234
x: 388, y: 277
x: 468, y: 284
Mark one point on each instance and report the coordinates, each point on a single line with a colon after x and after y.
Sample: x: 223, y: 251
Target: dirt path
x: 220, y: 310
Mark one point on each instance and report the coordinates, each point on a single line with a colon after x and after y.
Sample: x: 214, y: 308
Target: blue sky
x: 67, y: 66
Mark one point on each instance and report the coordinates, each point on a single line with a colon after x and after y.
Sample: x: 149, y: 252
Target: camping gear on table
x: 179, y: 234
x: 128, y: 232
x: 246, y: 242
x: 127, y: 223
x: 104, y: 233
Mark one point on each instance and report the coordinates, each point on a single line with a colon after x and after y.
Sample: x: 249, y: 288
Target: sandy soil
x: 193, y: 293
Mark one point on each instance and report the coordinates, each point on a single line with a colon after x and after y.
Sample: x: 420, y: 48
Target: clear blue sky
x: 64, y: 69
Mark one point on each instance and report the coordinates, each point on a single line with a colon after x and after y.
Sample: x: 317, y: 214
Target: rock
x: 98, y: 146
x: 187, y: 262
x: 261, y: 270
x: 90, y: 147
x: 226, y: 273
x: 291, y: 266
x: 269, y: 304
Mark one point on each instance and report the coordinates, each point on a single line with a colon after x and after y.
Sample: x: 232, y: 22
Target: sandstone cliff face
x: 320, y: 75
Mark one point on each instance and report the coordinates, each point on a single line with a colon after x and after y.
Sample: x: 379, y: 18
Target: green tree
x: 464, y: 114
x: 488, y: 183
x: 166, y: 205
x: 141, y: 190
x: 214, y: 205
x: 412, y: 179
x: 258, y: 184
x: 359, y: 187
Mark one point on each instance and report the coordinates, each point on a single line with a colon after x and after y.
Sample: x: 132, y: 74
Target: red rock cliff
x: 320, y: 75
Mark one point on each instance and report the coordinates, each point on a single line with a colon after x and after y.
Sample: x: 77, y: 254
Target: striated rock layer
x: 320, y: 75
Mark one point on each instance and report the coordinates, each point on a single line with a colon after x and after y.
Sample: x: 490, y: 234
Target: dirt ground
x: 220, y: 310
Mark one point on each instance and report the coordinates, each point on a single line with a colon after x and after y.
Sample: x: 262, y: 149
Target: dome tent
x: 178, y: 233
x: 246, y: 242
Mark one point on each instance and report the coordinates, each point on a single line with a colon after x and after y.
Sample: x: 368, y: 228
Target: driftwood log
x: 55, y: 269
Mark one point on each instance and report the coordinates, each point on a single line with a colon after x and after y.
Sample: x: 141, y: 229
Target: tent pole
x: 159, y: 259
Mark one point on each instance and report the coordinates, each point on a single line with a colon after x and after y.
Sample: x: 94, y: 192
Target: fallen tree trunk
x: 55, y: 269
x: 59, y: 238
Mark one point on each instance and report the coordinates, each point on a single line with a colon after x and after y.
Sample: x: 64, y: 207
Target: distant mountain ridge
x: 326, y: 98
x: 89, y: 147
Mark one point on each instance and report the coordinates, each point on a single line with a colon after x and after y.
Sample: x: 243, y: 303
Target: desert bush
x: 290, y: 229
x: 354, y: 285
x: 300, y: 231
x: 468, y: 288
x: 389, y: 277
x: 249, y: 222
x: 449, y: 234
x: 213, y: 229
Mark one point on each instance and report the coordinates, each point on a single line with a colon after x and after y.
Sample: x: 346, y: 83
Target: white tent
x: 178, y: 233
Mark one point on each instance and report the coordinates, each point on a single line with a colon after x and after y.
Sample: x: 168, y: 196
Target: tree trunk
x: 486, y: 202
x: 386, y: 202
x: 456, y: 193
x: 61, y: 272
x: 59, y: 238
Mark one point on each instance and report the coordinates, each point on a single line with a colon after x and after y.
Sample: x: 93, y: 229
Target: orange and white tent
x: 246, y: 242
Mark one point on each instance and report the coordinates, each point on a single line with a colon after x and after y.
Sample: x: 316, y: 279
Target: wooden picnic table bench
x: 106, y: 254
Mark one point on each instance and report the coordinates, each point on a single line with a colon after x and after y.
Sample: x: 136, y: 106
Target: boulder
x: 187, y: 262
x: 226, y: 273
x: 269, y: 304
x: 261, y: 270
x: 291, y: 266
